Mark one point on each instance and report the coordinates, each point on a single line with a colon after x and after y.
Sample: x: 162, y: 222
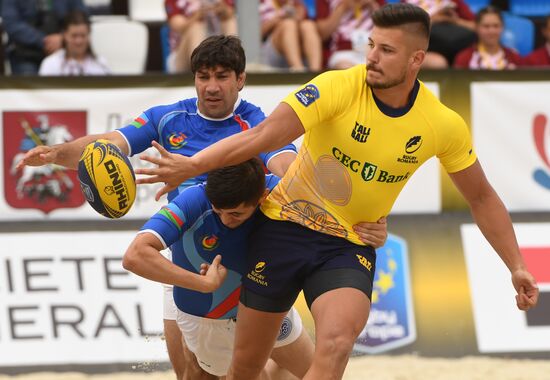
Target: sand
x: 375, y: 368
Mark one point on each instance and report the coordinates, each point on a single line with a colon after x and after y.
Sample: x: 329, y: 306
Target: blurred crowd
x: 52, y: 37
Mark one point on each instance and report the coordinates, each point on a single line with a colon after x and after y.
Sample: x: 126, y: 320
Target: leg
x: 311, y: 45
x: 295, y: 357
x: 255, y: 336
x: 195, y: 33
x: 229, y: 26
x: 285, y: 40
x: 340, y: 315
x: 175, y: 346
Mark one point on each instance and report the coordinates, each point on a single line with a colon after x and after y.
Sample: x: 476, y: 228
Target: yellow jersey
x: 357, y: 153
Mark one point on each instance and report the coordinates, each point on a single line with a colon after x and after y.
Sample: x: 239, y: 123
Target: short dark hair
x: 398, y: 14
x: 75, y: 18
x: 219, y: 50
x: 231, y: 186
x: 490, y: 9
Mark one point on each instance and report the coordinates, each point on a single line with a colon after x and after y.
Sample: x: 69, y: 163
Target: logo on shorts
x: 307, y: 95
x: 364, y: 262
x: 286, y: 329
x: 260, y: 267
x: 391, y: 322
x: 210, y: 242
x: 254, y: 275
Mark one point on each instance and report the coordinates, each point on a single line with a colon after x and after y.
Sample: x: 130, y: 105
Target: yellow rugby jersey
x: 357, y: 153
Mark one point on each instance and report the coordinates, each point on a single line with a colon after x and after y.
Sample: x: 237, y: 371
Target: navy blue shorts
x: 284, y: 257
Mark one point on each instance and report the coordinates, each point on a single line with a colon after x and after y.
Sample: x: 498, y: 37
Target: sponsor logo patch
x: 307, y: 95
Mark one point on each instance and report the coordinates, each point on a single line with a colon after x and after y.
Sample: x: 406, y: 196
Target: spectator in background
x: 190, y: 22
x: 452, y: 30
x: 346, y: 26
x: 488, y: 53
x: 541, y: 56
x: 33, y: 28
x: 76, y: 57
x: 289, y: 36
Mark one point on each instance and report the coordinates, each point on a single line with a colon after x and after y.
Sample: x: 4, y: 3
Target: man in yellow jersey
x: 366, y: 133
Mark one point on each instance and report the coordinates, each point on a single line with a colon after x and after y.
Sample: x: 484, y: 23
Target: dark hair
x: 490, y: 9
x: 398, y: 14
x: 230, y: 186
x: 220, y: 50
x: 77, y: 18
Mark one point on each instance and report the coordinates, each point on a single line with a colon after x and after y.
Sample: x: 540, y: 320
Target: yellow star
x: 384, y: 282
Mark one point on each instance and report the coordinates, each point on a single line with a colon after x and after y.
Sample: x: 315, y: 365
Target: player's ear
x: 241, y: 79
x: 264, y: 196
x: 418, y: 58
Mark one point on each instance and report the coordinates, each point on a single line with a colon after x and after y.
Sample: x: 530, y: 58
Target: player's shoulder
x: 434, y: 108
x: 353, y: 76
x: 192, y: 196
x: 186, y: 105
x: 245, y: 108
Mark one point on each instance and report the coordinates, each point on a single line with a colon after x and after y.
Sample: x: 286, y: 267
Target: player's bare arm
x: 68, y: 154
x: 494, y: 222
x: 281, y: 128
x: 143, y: 258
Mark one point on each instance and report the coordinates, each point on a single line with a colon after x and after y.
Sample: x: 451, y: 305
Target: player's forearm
x: 494, y: 222
x: 68, y: 154
x: 279, y: 129
x: 147, y: 262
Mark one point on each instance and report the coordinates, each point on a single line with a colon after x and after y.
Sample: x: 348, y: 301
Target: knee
x: 338, y: 342
x: 289, y: 25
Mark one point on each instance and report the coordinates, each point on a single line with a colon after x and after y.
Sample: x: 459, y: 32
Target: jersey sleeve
x: 140, y: 132
x: 265, y: 157
x: 173, y: 220
x: 456, y: 149
x: 323, y: 98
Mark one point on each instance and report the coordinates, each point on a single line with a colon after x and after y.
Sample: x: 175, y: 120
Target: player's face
x: 217, y: 90
x: 234, y: 217
x: 388, y: 59
x: 76, y: 40
x: 489, y: 29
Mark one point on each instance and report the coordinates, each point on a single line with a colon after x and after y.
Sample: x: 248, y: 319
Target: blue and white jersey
x: 195, y: 234
x: 181, y: 128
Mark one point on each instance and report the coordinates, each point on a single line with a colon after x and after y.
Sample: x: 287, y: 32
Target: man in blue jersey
x: 185, y: 128
x: 210, y: 223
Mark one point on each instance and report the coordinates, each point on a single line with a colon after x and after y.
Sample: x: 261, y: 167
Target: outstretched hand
x: 526, y: 287
x: 373, y: 234
x: 38, y: 156
x: 214, y: 274
x: 171, y: 169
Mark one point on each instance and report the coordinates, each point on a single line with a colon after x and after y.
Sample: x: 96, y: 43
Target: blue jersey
x: 195, y: 234
x: 181, y: 128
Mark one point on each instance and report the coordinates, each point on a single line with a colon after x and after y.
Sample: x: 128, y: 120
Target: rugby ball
x: 107, y: 179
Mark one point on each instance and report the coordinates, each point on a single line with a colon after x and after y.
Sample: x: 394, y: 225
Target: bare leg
x: 435, y: 61
x: 255, y: 335
x: 311, y: 44
x: 286, y: 40
x: 296, y: 357
x: 176, y: 353
x: 339, y: 315
x: 190, y: 39
x: 229, y: 26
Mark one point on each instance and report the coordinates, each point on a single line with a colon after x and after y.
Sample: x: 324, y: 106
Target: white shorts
x: 170, y: 310
x: 212, y: 340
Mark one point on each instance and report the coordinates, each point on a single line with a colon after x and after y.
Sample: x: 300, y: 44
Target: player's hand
x: 38, y: 156
x: 214, y: 274
x: 373, y: 234
x: 171, y: 169
x: 526, y: 287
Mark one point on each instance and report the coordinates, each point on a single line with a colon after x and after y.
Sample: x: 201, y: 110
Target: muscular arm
x: 279, y: 164
x: 281, y: 127
x: 494, y: 222
x: 144, y: 259
x: 68, y: 154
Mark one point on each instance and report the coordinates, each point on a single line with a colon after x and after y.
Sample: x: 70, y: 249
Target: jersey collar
x: 237, y: 104
x: 398, y: 112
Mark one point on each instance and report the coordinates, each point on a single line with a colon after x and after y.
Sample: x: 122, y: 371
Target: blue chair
x: 165, y: 45
x: 392, y: 1
x: 530, y: 8
x: 311, y: 8
x: 477, y: 5
x: 519, y: 33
